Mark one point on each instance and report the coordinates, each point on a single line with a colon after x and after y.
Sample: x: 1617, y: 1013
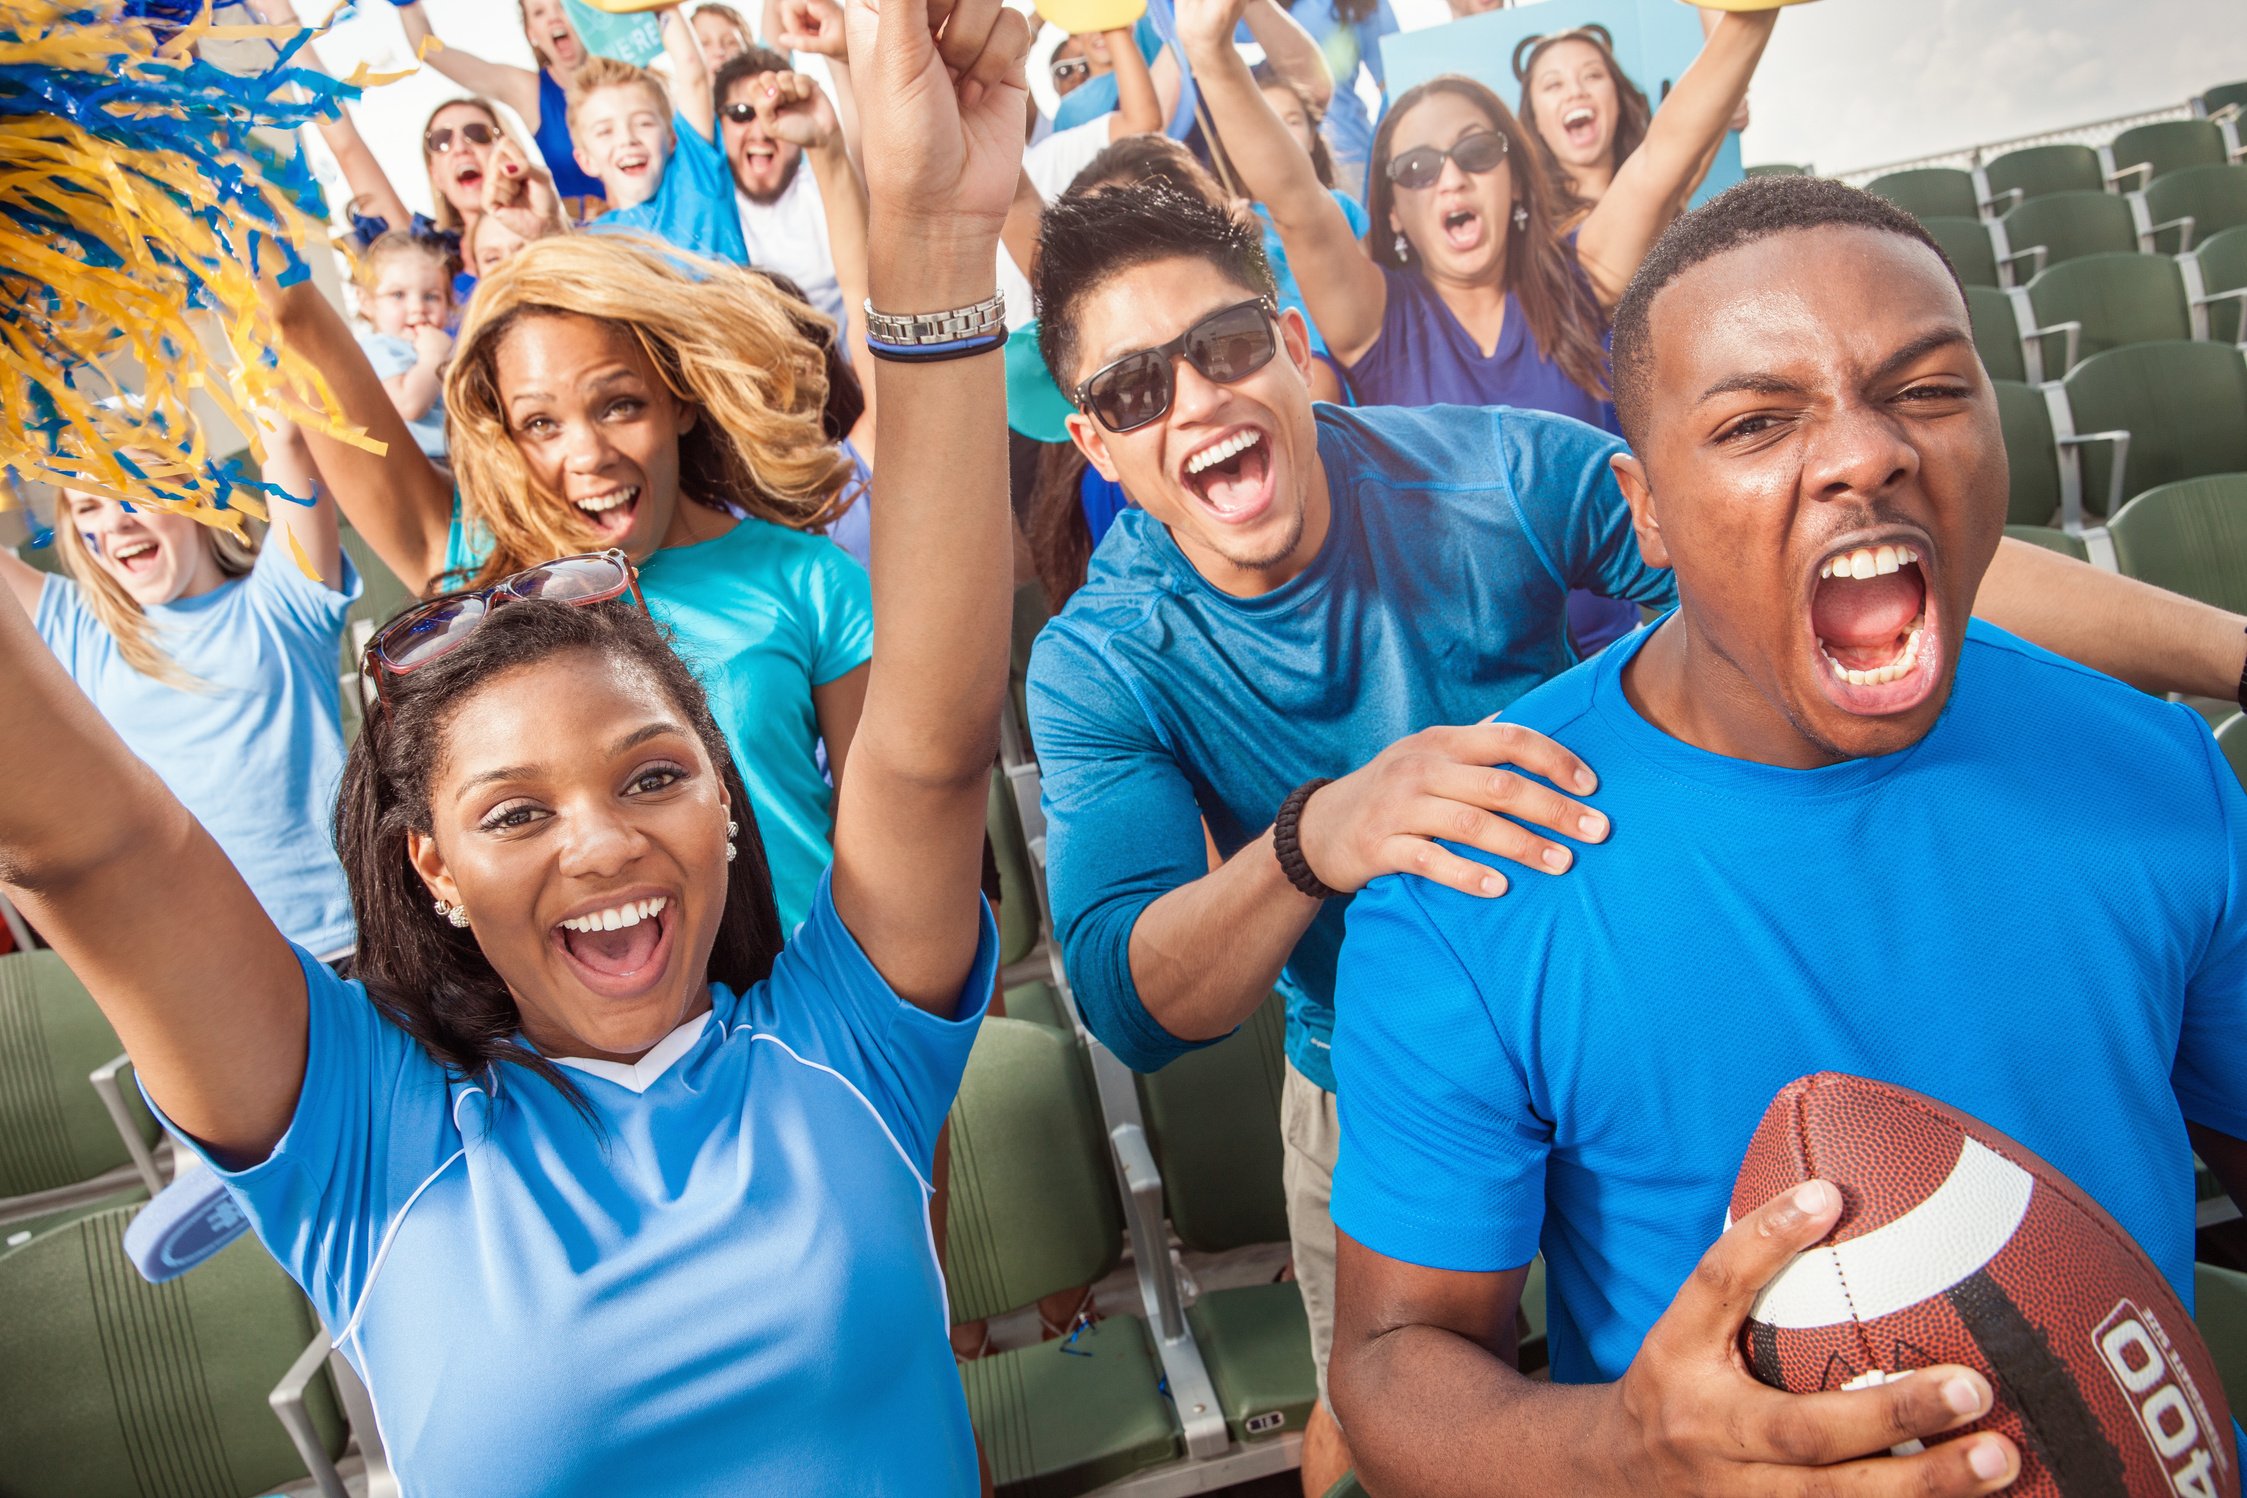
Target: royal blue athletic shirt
x: 1156, y: 700
x: 2037, y: 914
x: 693, y: 206
x: 556, y: 147
x: 722, y: 1284
x: 1423, y: 357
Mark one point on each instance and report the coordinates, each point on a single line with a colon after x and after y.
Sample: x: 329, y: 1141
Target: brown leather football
x: 1956, y: 1245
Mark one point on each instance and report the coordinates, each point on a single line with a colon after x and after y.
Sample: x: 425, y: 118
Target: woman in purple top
x: 1463, y: 292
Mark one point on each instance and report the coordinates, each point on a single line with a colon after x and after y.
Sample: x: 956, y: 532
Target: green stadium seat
x: 2189, y: 537
x: 1031, y: 611
x: 55, y: 1130
x: 2148, y: 153
x: 1997, y: 333
x: 1213, y: 1125
x: 111, y: 1387
x: 381, y: 595
x: 2231, y: 737
x: 2149, y: 414
x: 2051, y: 538
x: 2087, y: 306
x: 1348, y: 1487
x: 2031, y: 454
x: 1930, y: 192
x: 2045, y: 231
x: 2216, y: 276
x: 1038, y: 1002
x: 1780, y: 169
x: 1967, y: 242
x: 1033, y: 1210
x: 2223, y: 96
x: 2219, y: 1311
x: 2188, y: 206
x: 2036, y: 171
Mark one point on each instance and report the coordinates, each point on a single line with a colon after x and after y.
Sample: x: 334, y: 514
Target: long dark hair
x: 427, y: 976
x: 1322, y: 160
x: 1060, y: 537
x: 1632, y: 116
x: 1564, y: 317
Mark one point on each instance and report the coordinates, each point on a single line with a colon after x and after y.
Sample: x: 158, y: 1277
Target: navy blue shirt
x: 1156, y: 700
x: 2037, y: 914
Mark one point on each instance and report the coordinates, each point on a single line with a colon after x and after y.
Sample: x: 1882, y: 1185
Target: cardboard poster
x: 1655, y: 41
x: 634, y: 38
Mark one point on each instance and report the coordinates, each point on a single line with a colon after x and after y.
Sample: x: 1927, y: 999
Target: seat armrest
x: 2035, y: 254
x: 108, y: 1081
x: 2183, y: 224
x: 287, y: 1400
x: 2003, y: 203
x: 2119, y: 440
x: 2142, y: 170
x: 2070, y: 332
x: 2236, y: 294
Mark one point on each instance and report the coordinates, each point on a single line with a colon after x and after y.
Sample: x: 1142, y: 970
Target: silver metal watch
x: 983, y: 320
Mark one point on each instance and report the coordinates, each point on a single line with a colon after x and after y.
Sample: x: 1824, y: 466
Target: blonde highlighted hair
x: 598, y: 72
x: 119, y: 612
x: 724, y: 341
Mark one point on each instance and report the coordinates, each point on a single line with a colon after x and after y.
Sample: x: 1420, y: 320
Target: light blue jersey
x: 693, y: 207
x: 723, y: 1284
x: 254, y: 745
x: 391, y: 355
x: 2036, y: 914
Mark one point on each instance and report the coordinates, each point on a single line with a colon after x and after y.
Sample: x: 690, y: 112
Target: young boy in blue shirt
x: 663, y: 172
x: 1852, y: 829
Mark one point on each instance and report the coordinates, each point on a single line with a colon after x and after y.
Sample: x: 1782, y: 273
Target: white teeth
x: 1895, y: 670
x: 601, y: 503
x: 1580, y: 115
x: 131, y: 550
x: 1210, y: 457
x: 617, y: 917
x: 1868, y: 562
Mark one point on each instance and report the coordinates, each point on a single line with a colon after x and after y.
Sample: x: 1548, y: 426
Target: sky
x: 1845, y: 84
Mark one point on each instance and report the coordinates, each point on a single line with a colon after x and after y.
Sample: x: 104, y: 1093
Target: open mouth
x: 563, y: 44
x: 633, y: 163
x: 469, y: 176
x: 1873, y: 616
x: 621, y: 949
x: 1580, y: 125
x: 136, y: 556
x: 1462, y: 228
x: 612, y: 512
x: 1231, y: 476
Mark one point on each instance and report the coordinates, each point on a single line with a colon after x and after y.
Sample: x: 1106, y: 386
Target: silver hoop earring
x: 457, y: 914
x: 1521, y: 217
x: 733, y: 830
x: 1404, y: 248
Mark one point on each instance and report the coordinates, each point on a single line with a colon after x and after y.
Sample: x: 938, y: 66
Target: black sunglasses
x: 1421, y: 166
x: 1227, y: 346
x: 740, y: 114
x: 438, y: 142
x: 1071, y: 67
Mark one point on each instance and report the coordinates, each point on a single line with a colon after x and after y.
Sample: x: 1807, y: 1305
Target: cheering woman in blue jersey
x: 600, y: 1186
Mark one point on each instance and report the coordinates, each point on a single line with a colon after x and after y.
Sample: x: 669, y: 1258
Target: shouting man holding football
x: 1852, y: 829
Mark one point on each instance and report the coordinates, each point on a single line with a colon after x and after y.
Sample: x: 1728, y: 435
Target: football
x: 1956, y: 1245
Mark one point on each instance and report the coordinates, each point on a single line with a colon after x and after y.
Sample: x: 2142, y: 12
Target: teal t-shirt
x: 693, y: 208
x: 761, y: 615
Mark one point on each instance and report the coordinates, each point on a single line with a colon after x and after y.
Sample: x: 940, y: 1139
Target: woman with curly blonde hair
x: 610, y: 393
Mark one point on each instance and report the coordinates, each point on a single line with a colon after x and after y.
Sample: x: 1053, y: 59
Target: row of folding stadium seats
x: 2083, y: 307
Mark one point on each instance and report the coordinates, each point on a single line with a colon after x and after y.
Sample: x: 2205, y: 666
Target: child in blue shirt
x: 406, y: 299
x: 662, y: 172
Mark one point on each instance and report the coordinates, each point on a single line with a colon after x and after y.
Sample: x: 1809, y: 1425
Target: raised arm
x: 515, y: 87
x: 797, y: 109
x: 305, y: 523
x: 1649, y: 186
x: 400, y: 501
x: 1342, y: 288
x: 690, y: 75
x: 1293, y: 52
x: 1139, y: 111
x: 370, y: 185
x: 816, y: 26
x: 2147, y: 636
x: 943, y: 126
x: 138, y: 899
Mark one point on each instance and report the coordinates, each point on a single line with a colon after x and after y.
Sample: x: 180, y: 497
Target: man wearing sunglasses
x: 772, y: 123
x: 1296, y: 639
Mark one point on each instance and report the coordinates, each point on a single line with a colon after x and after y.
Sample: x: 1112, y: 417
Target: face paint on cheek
x: 93, y: 542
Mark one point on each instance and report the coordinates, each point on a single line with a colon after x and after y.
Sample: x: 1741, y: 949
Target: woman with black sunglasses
x: 608, y: 1189
x: 1462, y: 291
x: 538, y: 96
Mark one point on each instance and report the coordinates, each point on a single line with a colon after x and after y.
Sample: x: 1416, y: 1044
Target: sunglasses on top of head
x: 437, y: 142
x: 1225, y: 347
x: 441, y: 626
x: 1421, y: 166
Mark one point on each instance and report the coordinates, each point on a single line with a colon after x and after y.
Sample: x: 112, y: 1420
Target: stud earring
x: 457, y: 914
x: 733, y: 830
x: 1521, y: 217
x: 1404, y: 247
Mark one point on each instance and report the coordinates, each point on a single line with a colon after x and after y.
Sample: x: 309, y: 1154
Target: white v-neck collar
x: 640, y: 1075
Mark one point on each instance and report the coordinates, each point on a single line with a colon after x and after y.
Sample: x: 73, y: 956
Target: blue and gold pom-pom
x: 144, y: 189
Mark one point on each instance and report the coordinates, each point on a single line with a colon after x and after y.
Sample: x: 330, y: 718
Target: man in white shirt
x: 783, y: 218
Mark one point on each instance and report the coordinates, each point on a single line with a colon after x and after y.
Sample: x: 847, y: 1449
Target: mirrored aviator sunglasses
x: 437, y: 628
x: 1420, y: 167
x: 1225, y: 347
x: 438, y: 142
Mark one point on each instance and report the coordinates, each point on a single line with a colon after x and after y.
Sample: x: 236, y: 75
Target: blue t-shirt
x: 1157, y: 700
x: 254, y: 746
x: 761, y: 615
x: 394, y: 356
x: 693, y: 206
x: 722, y: 1283
x: 1423, y: 357
x: 1275, y: 252
x: 1580, y: 1064
x: 556, y: 147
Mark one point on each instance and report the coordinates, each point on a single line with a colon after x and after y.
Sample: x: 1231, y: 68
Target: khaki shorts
x: 1310, y: 1135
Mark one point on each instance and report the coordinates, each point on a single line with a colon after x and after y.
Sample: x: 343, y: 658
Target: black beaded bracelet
x: 1289, y: 850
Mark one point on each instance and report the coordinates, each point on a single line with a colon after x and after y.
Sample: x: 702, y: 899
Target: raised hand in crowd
x: 812, y: 26
x: 521, y: 195
x: 796, y: 109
